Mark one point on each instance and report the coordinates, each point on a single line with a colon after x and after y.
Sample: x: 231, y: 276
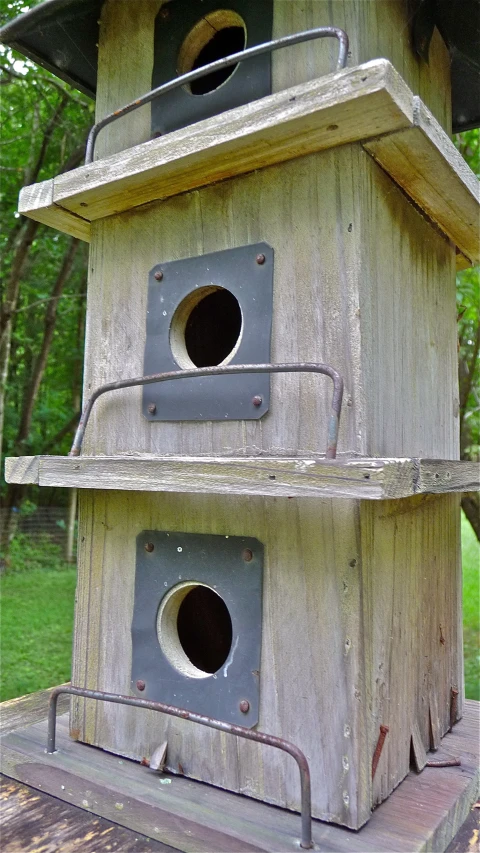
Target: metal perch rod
x: 218, y: 65
x: 303, y: 367
x: 173, y: 711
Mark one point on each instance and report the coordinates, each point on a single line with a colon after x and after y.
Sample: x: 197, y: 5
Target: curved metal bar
x: 303, y: 367
x: 210, y: 722
x: 226, y: 62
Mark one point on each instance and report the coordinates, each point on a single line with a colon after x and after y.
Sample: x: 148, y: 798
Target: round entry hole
x: 194, y: 629
x: 206, y: 328
x: 214, y: 37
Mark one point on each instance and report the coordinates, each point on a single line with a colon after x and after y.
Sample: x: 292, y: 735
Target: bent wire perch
x: 303, y: 367
x: 210, y: 722
x: 218, y: 65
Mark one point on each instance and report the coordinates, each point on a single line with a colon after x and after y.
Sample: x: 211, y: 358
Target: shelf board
x: 369, y: 104
x: 348, y: 477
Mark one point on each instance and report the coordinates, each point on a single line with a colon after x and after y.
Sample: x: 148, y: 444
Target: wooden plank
x: 418, y: 749
x: 22, y: 469
x: 423, y: 813
x: 26, y: 710
x: 362, y: 478
x: 36, y: 202
x: 348, y: 106
x: 430, y: 169
x: 27, y: 814
x: 440, y: 476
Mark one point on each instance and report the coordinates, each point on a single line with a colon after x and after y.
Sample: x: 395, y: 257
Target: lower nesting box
x: 333, y: 617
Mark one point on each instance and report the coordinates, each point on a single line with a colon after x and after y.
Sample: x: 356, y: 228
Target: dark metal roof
x: 62, y: 36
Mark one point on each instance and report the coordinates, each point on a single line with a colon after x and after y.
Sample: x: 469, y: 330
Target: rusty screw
x: 149, y: 546
x: 152, y: 408
x: 257, y: 401
x: 247, y: 555
x: 158, y: 275
x: 140, y: 685
x: 260, y: 259
x: 244, y: 706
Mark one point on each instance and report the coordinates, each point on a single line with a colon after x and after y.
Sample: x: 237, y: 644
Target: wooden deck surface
x: 424, y: 813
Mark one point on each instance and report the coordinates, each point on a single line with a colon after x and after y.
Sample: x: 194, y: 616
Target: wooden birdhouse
x: 252, y: 548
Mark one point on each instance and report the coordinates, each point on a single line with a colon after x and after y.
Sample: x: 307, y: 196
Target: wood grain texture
x: 369, y: 103
x: 356, y: 477
x: 350, y: 105
x: 412, y: 599
x: 27, y: 815
x: 430, y: 169
x: 319, y: 600
x: 375, y: 29
x: 422, y: 814
x: 351, y: 288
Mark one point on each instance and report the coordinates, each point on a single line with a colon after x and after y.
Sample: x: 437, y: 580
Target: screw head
x: 152, y: 408
x: 260, y: 259
x: 158, y: 275
x: 140, y: 685
x: 247, y: 555
x: 244, y: 706
x: 149, y: 546
x: 257, y: 401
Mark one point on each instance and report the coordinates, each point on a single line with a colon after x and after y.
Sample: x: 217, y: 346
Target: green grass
x: 471, y: 609
x: 36, y: 629
x: 37, y: 599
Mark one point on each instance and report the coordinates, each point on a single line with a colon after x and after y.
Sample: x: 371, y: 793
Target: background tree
x: 44, y: 128
x: 42, y: 309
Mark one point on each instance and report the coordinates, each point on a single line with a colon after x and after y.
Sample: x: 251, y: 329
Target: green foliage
x: 44, y: 127
x: 471, y: 610
x: 34, y: 553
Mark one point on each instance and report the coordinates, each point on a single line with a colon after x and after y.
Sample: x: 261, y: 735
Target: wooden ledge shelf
x: 350, y: 477
x: 369, y: 104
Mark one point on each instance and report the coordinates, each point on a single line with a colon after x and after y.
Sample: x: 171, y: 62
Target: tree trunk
x: 8, y: 308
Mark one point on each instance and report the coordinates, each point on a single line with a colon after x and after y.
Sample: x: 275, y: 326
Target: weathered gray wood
x: 356, y: 477
x: 422, y: 814
x: 26, y: 710
x: 412, y: 156
x: 351, y: 105
x: 411, y: 587
x: 418, y: 748
x: 326, y: 308
x: 370, y: 102
x: 326, y: 593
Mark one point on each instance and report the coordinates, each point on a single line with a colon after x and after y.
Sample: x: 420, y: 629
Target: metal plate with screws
x: 245, y: 274
x: 169, y: 567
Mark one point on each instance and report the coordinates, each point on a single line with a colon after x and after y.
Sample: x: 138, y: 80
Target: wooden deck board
x: 354, y: 477
x: 424, y: 813
x: 27, y: 815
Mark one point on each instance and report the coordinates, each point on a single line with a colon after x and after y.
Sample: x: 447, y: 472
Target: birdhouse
x: 266, y: 232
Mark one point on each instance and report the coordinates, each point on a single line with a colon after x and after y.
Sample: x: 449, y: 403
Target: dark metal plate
x: 250, y: 80
x: 211, y: 398
x: 218, y: 562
